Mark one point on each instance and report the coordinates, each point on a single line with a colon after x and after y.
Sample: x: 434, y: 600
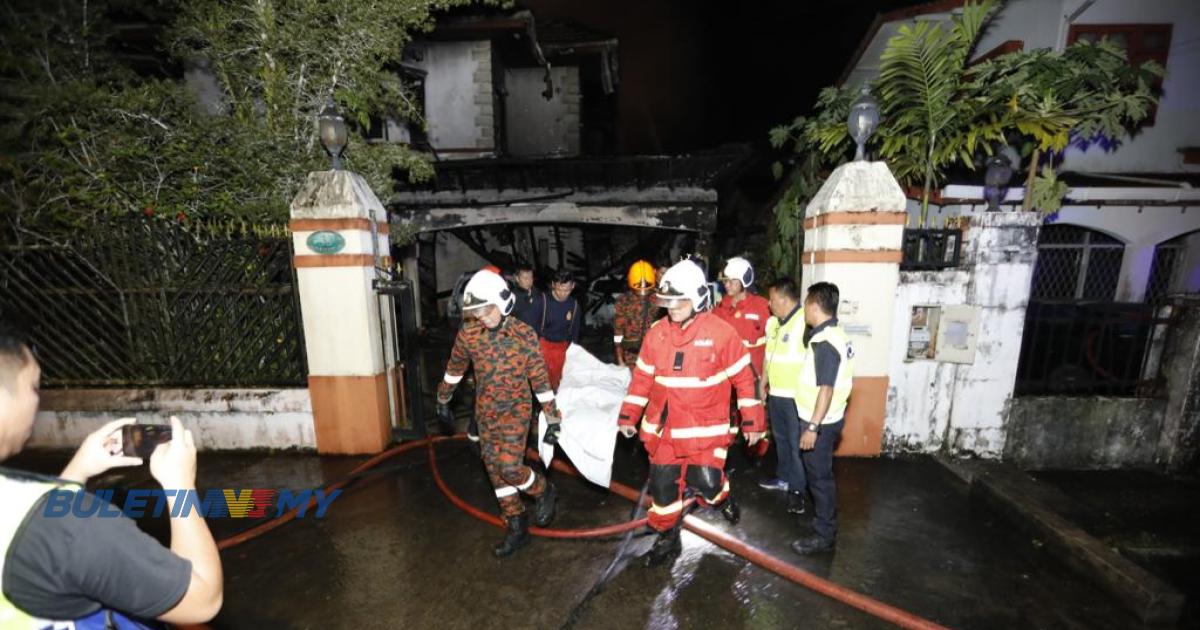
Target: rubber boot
x: 731, y: 511
x: 545, y: 505
x: 665, y: 548
x: 516, y: 537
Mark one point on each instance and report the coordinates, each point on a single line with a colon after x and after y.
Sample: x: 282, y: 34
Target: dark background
x: 696, y: 74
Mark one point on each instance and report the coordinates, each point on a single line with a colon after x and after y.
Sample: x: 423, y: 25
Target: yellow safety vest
x: 806, y: 393
x: 19, y: 495
x: 785, y: 354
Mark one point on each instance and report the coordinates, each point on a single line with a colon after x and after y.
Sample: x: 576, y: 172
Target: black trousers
x: 818, y: 467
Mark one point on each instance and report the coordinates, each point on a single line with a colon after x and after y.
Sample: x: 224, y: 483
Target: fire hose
x: 695, y: 525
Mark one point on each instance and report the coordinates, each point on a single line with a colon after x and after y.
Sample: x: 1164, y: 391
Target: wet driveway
x: 392, y: 552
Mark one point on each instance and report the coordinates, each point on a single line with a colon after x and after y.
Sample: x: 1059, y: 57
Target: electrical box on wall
x: 943, y: 333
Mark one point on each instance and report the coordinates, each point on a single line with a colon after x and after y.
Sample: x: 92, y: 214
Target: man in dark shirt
x: 822, y: 396
x: 72, y: 568
x: 530, y: 306
x: 560, y: 326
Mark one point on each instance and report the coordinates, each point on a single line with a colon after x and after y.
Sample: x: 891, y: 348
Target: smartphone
x: 139, y: 440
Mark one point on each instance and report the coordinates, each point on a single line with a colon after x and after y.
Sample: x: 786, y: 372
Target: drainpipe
x: 1069, y: 19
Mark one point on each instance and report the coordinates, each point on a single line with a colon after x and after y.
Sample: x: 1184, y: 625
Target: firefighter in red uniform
x: 504, y: 351
x: 745, y: 311
x: 689, y: 364
x: 635, y: 310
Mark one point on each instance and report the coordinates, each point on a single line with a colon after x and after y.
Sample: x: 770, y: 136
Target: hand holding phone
x: 100, y: 451
x: 140, y: 440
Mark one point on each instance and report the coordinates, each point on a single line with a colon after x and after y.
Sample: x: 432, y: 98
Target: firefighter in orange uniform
x: 504, y: 351
x: 690, y: 363
x: 635, y: 310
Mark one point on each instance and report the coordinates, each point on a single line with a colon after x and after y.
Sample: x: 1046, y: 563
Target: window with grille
x: 1163, y: 271
x: 1141, y: 43
x: 1075, y: 263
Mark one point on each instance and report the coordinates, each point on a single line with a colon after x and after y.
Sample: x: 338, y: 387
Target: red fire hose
x: 695, y: 525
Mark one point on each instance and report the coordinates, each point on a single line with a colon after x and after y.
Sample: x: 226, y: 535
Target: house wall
x: 963, y: 407
x: 1141, y: 228
x: 1072, y: 433
x: 1043, y: 24
x: 217, y: 418
x: 1154, y: 149
x: 1187, y: 275
x: 536, y: 126
x: 459, y: 99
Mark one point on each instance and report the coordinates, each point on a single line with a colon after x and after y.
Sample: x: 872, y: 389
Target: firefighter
x: 745, y: 311
x: 636, y: 309
x: 504, y: 351
x: 748, y: 314
x: 689, y: 364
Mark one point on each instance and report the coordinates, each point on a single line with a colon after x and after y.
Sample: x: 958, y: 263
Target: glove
x: 445, y: 417
x: 628, y: 431
x: 552, y: 431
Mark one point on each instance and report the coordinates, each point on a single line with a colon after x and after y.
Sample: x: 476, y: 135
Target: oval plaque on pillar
x: 326, y: 242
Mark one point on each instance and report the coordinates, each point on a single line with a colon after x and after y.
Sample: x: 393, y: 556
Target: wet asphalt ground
x: 392, y: 552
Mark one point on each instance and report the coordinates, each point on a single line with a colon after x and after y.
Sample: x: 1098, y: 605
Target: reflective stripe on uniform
x: 528, y: 482
x: 645, y: 367
x: 451, y: 379
x: 748, y: 402
x: 505, y: 491
x: 666, y: 509
x: 649, y: 428
x: 640, y: 401
x: 700, y: 432
x: 761, y: 341
x: 690, y: 382
x: 720, y: 453
x: 738, y: 366
x: 618, y: 338
x: 545, y: 397
x: 783, y: 393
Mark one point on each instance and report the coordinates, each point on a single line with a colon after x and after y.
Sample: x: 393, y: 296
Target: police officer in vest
x: 821, y: 396
x: 782, y: 365
x: 79, y: 571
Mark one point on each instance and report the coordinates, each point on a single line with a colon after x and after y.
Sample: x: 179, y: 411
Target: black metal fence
x: 1093, y: 349
x: 931, y: 248
x: 151, y: 302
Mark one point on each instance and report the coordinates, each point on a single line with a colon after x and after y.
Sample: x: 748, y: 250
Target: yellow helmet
x: 641, y: 276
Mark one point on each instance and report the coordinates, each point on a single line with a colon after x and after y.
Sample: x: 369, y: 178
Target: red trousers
x: 555, y: 354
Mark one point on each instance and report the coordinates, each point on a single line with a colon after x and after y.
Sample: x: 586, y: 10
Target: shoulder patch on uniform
x: 753, y: 316
x: 703, y: 343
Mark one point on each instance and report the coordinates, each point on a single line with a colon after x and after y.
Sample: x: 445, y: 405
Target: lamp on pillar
x: 332, y: 128
x: 862, y: 121
x: 999, y: 171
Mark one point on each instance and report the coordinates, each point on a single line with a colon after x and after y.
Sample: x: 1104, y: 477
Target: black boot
x: 795, y: 503
x: 517, y: 536
x: 545, y: 505
x: 665, y: 548
x: 731, y: 511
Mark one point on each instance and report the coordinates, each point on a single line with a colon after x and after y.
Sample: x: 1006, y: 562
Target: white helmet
x: 684, y: 281
x: 738, y: 268
x: 487, y: 287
